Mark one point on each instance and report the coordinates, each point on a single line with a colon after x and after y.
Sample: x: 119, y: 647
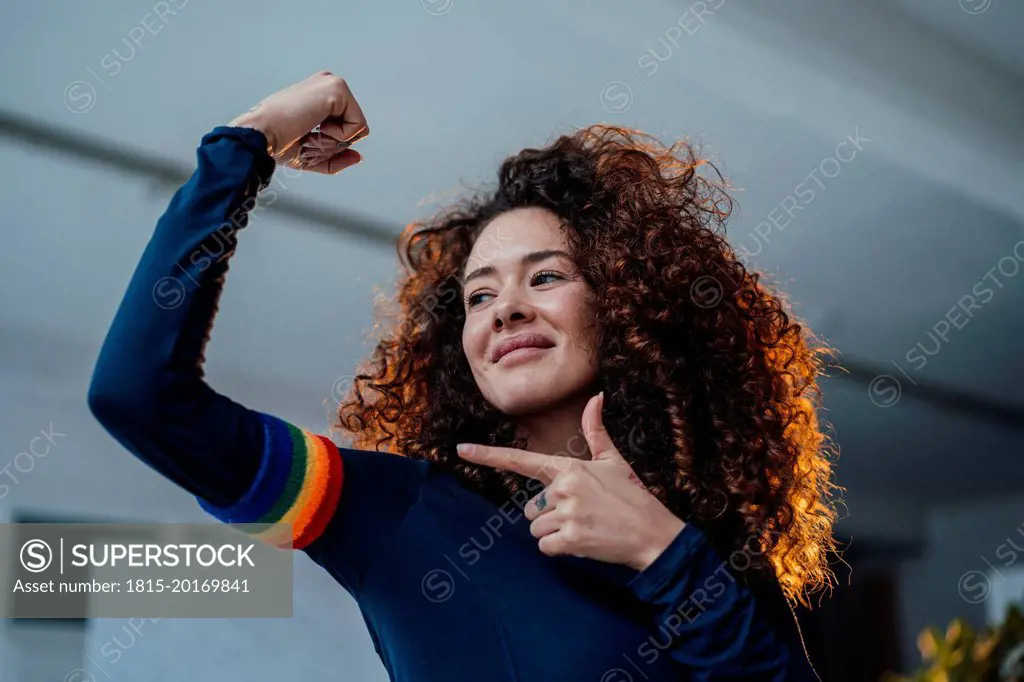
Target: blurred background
x: 877, y: 149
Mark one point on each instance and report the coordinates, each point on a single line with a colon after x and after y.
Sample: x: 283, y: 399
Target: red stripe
x: 325, y: 512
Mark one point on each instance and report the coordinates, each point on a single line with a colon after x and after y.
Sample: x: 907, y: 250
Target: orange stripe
x: 329, y: 504
x: 318, y: 490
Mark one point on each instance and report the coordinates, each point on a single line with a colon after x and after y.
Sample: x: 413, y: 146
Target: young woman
x: 588, y: 450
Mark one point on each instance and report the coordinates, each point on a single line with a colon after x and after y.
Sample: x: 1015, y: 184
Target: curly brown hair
x: 710, y: 384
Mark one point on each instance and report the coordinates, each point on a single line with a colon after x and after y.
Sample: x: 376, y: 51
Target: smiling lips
x: 520, y: 341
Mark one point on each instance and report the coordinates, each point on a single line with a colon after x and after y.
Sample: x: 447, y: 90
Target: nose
x: 511, y: 309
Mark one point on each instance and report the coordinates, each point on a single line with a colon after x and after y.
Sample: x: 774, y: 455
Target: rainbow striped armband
x: 296, y: 489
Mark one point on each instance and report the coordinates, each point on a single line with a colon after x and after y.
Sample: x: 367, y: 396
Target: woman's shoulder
x: 382, y: 469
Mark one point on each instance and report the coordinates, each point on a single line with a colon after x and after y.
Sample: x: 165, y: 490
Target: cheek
x: 474, y: 341
x: 577, y: 319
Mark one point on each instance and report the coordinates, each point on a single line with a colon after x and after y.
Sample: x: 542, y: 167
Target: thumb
x: 598, y: 440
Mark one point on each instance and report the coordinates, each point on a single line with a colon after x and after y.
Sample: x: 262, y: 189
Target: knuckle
x: 550, y: 545
x: 561, y: 495
x: 335, y: 85
x: 568, y: 507
x: 570, y: 480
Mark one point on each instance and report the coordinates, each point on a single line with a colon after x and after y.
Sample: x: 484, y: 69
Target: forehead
x: 515, y: 233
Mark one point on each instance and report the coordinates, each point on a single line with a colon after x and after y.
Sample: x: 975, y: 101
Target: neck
x: 557, y: 430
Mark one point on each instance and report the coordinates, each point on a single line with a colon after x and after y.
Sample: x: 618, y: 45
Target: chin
x: 530, y: 394
x: 515, y: 403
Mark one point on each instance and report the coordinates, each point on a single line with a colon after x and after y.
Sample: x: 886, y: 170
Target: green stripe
x: 295, y: 478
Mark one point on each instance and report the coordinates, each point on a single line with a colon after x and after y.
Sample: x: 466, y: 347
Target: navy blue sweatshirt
x: 451, y: 586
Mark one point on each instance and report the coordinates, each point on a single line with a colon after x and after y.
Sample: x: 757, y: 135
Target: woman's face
x: 529, y: 333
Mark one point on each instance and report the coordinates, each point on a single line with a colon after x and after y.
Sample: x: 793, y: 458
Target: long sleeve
x: 340, y: 506
x: 148, y: 390
x: 712, y: 624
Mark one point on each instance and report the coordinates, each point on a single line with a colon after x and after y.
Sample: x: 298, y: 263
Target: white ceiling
x: 888, y: 246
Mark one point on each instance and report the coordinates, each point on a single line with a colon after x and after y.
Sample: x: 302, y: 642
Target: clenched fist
x: 310, y: 125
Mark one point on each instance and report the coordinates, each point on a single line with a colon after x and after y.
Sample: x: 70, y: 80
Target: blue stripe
x: 269, y: 485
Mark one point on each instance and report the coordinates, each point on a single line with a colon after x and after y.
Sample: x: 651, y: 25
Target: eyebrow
x: 528, y: 259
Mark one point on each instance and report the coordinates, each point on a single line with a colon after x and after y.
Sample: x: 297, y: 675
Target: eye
x: 538, y: 278
x: 543, y: 274
x: 474, y: 298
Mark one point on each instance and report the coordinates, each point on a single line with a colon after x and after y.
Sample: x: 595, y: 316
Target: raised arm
x: 148, y: 390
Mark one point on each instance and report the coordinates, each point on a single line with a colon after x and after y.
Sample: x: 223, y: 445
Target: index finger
x: 539, y: 467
